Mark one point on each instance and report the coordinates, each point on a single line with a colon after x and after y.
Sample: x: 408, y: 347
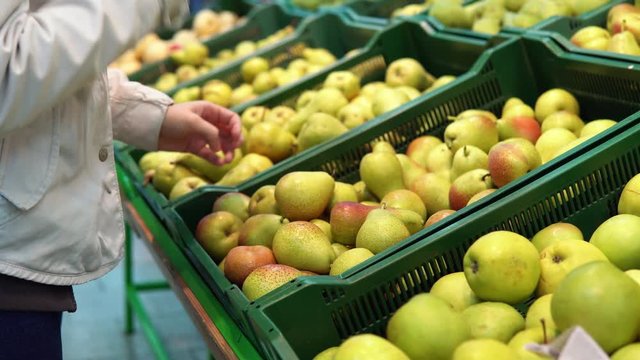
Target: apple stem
x: 544, y: 331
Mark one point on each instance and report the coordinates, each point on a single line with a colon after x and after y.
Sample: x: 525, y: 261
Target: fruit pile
x: 489, y: 16
x: 151, y: 48
x: 324, y: 226
x: 258, y: 75
x: 621, y: 36
x: 594, y: 284
x: 192, y: 59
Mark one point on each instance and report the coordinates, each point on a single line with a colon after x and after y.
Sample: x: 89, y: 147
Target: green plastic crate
x: 295, y: 10
x: 261, y: 21
x: 312, y: 313
x: 508, y: 32
x: 563, y: 29
x: 440, y: 53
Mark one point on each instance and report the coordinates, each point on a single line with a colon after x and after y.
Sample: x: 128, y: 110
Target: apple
x: 629, y: 202
x: 218, y: 233
x: 437, y: 216
x: 454, y: 289
x: 634, y: 274
x: 514, y: 109
x: 502, y: 266
x: 536, y: 335
x: 484, y: 349
x: 242, y: 260
x: 493, y: 320
x: 540, y: 312
x: 446, y: 330
x: 263, y: 82
x: 618, y: 239
x: 271, y: 140
x: 557, y: 260
x: 327, y: 354
x: 217, y: 92
x: 601, y: 299
x: 511, y: 159
x: 349, y: 259
x: 185, y: 73
x: 555, y: 100
x: 407, y: 72
x: 628, y: 352
x: 556, y: 232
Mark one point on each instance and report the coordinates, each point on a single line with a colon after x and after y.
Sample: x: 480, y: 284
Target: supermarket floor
x: 96, y: 330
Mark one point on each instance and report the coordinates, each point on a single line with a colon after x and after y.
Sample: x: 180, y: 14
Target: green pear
x: 279, y: 115
x: 480, y: 131
x: 408, y: 72
x: 629, y: 202
x: 628, y: 352
x: 468, y: 158
x: 371, y: 89
x: 594, y: 127
x: 153, y: 159
x: 242, y: 94
x: 363, y: 193
x: 166, y: 82
x: 446, y: 330
x: 410, y: 169
x: 263, y: 201
x: 185, y: 186
x: 345, y: 81
x: 383, y: 146
x: 260, y: 229
x: 540, y: 312
x: 166, y: 175
x: 433, y: 190
x: 318, y: 129
x: 388, y: 99
x: 212, y: 172
x: 534, y: 335
x: 253, y: 115
x: 592, y: 37
x: 304, y: 246
x: 304, y: 195
x: 338, y: 249
x: 551, y: 140
x: 252, y: 67
x: 381, y: 172
x: 440, y: 159
x: 370, y: 347
x: 624, y: 43
x: 411, y: 220
x: 467, y: 185
x: 440, y: 82
x: 381, y: 230
x: 450, y: 14
x: 324, y: 226
x: 487, y: 25
x: 272, y: 141
x: 411, y: 92
x: 236, y: 203
x: 454, y: 289
x: 493, y: 320
x: 349, y: 259
x: 405, y: 199
x: 319, y: 56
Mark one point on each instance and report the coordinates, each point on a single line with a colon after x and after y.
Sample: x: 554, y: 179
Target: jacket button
x: 103, y: 153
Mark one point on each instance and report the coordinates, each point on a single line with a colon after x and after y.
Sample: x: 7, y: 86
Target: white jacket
x: 60, y: 214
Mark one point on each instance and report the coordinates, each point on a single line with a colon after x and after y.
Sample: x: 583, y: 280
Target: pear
x: 185, y: 186
x: 153, y: 159
x: 380, y: 230
x: 405, y: 199
x: 434, y: 192
x: 408, y: 72
x: 325, y: 227
x: 467, y: 185
x: 440, y: 82
x: 363, y: 193
x: 466, y: 159
x: 346, y: 219
x: 342, y: 192
x: 381, y: 172
x: 624, y: 43
x: 305, y: 98
x: 480, y: 131
x: 239, y: 174
x: 319, y: 56
x: 345, y: 81
x: 263, y: 201
x: 383, y: 146
x: 410, y: 169
x: 388, y: 99
x: 411, y: 219
x: 236, y: 203
x: 318, y: 129
x: 279, y: 115
x: 268, y: 278
x: 166, y: 175
x: 440, y: 159
x: 450, y: 13
x: 304, y: 195
x: 271, y: 140
x: 260, y: 229
x: 419, y: 149
x: 327, y: 100
x: 212, y: 172
x: 349, y: 259
x: 304, y: 246
x: 253, y: 115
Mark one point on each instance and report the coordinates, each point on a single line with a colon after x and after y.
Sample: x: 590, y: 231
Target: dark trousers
x: 32, y: 335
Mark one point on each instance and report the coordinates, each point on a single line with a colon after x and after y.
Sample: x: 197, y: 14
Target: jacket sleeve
x: 50, y: 49
x: 137, y: 111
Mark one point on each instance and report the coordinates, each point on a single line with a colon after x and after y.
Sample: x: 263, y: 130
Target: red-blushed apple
x: 267, y: 278
x: 467, y: 185
x: 242, y: 260
x: 519, y: 126
x: 502, y: 266
x: 437, y: 216
x: 511, y: 159
x: 218, y: 233
x: 234, y: 202
x: 346, y: 219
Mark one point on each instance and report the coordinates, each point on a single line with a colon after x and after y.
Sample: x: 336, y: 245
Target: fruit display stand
x: 509, y: 31
x: 310, y: 314
x: 222, y: 337
x: 440, y: 53
x: 562, y: 30
x: 261, y: 22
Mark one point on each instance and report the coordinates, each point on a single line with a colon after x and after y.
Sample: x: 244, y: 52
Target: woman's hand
x: 201, y: 128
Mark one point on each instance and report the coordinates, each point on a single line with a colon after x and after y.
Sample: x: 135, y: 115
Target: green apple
x: 618, y: 239
x: 484, y: 349
x: 245, y: 48
x: 559, y: 259
x: 594, y: 127
x: 493, y: 320
x: 447, y: 328
x: 218, y: 233
x: 502, y: 266
x: 259, y: 229
x: 370, y: 347
x: 454, y: 289
x: 601, y: 299
x: 534, y: 335
x: 629, y: 202
x: 540, y: 312
x: 555, y: 100
x: 263, y: 201
x: 279, y: 115
x: 556, y: 232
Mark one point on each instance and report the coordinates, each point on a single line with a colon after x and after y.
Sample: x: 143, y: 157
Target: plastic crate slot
x: 374, y: 305
x: 574, y: 24
x: 606, y: 86
x: 487, y: 68
x: 338, y: 322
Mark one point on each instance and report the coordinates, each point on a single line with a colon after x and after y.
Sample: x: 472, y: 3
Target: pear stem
x: 484, y: 177
x: 544, y: 331
x: 451, y: 118
x: 466, y: 152
x: 383, y: 205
